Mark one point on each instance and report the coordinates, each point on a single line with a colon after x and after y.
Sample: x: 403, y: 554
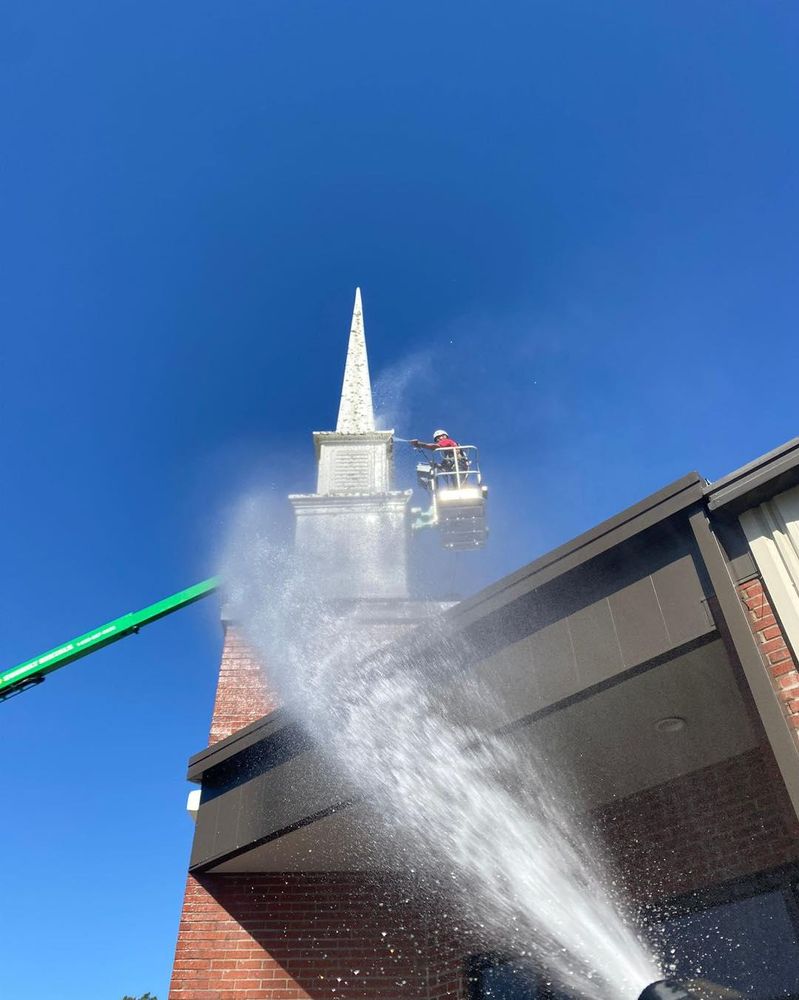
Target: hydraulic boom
x: 33, y: 671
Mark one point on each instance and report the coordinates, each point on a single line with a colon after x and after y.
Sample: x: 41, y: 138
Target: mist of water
x: 395, y: 720
x: 413, y: 374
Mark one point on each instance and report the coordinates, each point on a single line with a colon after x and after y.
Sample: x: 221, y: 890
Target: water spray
x: 388, y: 722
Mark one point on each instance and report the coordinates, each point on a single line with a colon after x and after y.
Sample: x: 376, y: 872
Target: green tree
x: 144, y: 996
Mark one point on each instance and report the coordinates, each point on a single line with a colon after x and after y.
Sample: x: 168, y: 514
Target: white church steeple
x: 356, y: 411
x: 355, y: 524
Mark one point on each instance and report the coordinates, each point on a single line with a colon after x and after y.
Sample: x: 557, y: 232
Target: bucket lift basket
x: 458, y: 496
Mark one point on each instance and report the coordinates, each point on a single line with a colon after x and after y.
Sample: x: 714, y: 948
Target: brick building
x: 655, y: 657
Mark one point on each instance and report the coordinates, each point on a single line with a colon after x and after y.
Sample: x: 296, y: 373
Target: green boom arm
x: 33, y: 671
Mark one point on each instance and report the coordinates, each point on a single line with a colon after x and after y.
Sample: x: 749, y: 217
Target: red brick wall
x: 328, y: 937
x: 242, y: 696
x: 722, y: 822
x: 778, y: 657
x: 447, y: 953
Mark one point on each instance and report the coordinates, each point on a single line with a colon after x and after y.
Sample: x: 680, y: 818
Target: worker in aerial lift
x: 448, y: 458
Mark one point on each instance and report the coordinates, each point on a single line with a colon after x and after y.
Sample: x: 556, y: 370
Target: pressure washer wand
x: 674, y: 989
x: 666, y: 989
x: 407, y: 441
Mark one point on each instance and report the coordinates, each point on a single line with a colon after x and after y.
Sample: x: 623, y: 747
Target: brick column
x: 242, y: 695
x: 215, y: 957
x: 778, y: 657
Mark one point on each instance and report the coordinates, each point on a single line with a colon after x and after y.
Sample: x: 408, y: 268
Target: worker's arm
x: 422, y: 444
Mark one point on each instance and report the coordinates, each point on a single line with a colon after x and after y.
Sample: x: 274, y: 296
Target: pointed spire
x: 355, y: 412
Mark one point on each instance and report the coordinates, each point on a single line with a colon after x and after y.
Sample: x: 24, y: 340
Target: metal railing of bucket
x: 456, y: 467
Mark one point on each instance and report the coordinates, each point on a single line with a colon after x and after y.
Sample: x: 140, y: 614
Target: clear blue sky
x: 575, y: 222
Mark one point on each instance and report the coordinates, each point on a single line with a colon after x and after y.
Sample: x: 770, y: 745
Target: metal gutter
x: 774, y: 472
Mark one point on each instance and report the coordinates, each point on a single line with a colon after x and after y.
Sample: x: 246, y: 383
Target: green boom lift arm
x: 33, y: 671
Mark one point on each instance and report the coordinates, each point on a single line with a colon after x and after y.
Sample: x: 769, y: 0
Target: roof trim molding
x: 772, y: 473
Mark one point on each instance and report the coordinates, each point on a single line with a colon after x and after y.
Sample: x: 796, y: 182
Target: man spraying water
x: 452, y: 459
x: 453, y: 480
x: 440, y: 440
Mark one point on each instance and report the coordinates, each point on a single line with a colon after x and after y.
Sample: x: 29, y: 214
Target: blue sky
x: 575, y: 226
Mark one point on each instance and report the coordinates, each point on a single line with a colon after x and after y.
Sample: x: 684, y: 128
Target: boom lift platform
x: 33, y: 672
x: 458, y: 497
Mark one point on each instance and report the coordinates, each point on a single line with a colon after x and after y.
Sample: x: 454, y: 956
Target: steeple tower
x: 354, y: 526
x: 356, y: 411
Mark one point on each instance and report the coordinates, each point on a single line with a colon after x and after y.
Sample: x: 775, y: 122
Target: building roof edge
x: 677, y: 496
x: 772, y: 473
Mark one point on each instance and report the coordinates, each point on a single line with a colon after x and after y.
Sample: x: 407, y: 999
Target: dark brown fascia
x: 218, y: 753
x: 755, y: 482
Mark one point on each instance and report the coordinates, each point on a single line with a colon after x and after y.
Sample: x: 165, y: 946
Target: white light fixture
x: 670, y: 724
x: 193, y: 803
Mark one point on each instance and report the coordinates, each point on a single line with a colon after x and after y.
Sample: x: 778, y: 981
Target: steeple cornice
x: 321, y: 438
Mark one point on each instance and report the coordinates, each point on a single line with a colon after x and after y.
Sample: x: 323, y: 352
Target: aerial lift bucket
x: 458, y: 497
